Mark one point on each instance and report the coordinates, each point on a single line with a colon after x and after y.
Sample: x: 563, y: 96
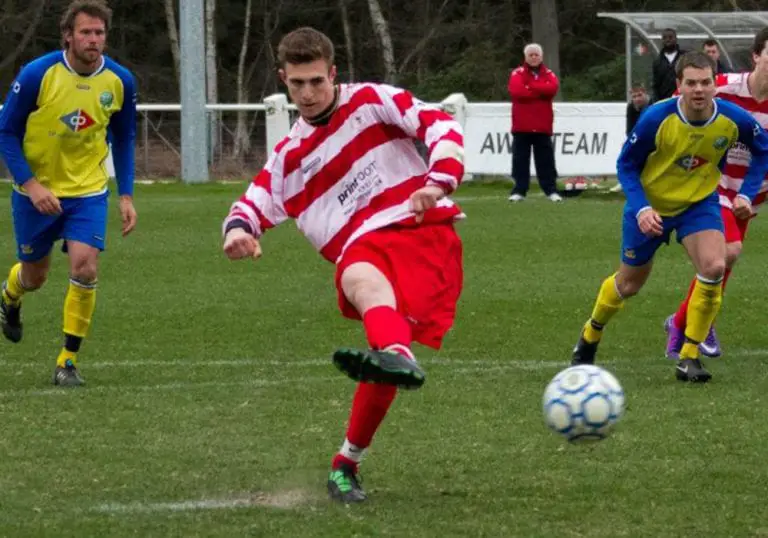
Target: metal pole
x: 194, y: 139
x: 628, y: 52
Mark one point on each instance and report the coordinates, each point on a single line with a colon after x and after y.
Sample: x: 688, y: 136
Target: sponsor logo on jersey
x: 77, y: 121
x: 690, y: 162
x: 721, y: 142
x: 106, y: 99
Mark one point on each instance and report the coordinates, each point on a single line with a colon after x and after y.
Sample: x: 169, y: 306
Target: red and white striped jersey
x: 733, y: 87
x: 356, y: 173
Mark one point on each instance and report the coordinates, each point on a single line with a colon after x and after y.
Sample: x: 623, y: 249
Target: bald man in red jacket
x: 532, y: 88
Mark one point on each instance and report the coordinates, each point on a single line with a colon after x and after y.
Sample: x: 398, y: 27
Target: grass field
x: 212, y: 408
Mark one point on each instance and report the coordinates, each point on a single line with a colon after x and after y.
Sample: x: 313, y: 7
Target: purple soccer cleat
x: 710, y: 347
x: 675, y: 338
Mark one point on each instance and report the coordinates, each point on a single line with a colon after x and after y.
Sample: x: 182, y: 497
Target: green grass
x: 210, y: 380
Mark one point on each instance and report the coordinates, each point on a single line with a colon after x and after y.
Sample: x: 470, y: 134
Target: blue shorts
x: 81, y: 219
x: 638, y: 249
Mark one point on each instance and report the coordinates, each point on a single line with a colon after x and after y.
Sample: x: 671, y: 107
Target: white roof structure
x: 734, y: 32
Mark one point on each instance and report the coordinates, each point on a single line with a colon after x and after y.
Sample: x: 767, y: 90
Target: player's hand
x: 239, y: 244
x: 127, y: 214
x: 425, y: 198
x: 43, y: 199
x: 650, y: 223
x: 742, y: 208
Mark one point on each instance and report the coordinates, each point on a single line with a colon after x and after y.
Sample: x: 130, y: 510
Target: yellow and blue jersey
x: 57, y: 125
x: 669, y: 163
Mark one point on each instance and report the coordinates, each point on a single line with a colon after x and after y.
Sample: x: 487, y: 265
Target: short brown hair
x: 303, y: 46
x: 711, y: 43
x: 760, y: 41
x: 637, y: 87
x: 695, y: 59
x: 94, y: 8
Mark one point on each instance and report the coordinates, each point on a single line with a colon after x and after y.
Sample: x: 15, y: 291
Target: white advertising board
x: 587, y: 138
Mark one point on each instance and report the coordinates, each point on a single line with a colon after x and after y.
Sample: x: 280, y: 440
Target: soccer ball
x: 583, y: 403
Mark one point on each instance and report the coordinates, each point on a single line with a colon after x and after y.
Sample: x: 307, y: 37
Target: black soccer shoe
x: 691, y: 370
x: 584, y: 352
x: 10, y: 320
x: 375, y: 366
x: 344, y: 486
x: 68, y: 376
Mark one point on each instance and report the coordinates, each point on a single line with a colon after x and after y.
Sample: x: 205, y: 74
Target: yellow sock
x: 702, y: 310
x: 13, y: 289
x: 65, y: 356
x: 79, y: 305
x: 608, y: 303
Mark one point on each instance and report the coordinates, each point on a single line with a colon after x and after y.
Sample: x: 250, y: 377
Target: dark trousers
x: 543, y: 157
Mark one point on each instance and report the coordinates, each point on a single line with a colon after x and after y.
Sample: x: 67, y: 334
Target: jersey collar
x: 685, y: 120
x: 69, y: 67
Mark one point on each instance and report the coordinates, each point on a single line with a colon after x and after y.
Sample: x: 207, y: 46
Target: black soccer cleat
x: 344, y: 486
x: 584, y: 352
x: 10, y: 321
x: 691, y: 370
x: 67, y: 376
x: 376, y: 366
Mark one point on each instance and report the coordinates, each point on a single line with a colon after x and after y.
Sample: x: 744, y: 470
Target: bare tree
x: 242, y: 142
x: 173, y: 37
x: 347, y: 40
x: 211, y: 71
x: 36, y: 14
x: 381, y: 29
x: 546, y: 32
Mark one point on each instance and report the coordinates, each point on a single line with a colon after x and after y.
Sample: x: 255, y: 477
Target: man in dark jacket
x: 712, y: 49
x: 664, y: 77
x: 532, y: 88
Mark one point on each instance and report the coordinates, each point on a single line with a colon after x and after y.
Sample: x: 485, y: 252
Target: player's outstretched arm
x: 756, y: 139
x: 122, y: 126
x: 633, y: 158
x: 437, y: 129
x: 239, y: 244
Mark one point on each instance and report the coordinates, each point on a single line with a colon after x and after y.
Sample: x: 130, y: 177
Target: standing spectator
x: 664, y: 77
x: 532, y: 88
x: 639, y: 101
x: 712, y: 49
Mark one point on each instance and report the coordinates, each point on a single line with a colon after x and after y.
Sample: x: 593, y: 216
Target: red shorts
x: 735, y: 229
x: 424, y: 266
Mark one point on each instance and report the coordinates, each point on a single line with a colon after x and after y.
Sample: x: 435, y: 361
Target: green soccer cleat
x: 376, y: 366
x: 344, y: 486
x: 68, y: 376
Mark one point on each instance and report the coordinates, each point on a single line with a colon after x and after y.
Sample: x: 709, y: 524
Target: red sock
x: 681, y: 316
x: 384, y: 327
x: 369, y: 407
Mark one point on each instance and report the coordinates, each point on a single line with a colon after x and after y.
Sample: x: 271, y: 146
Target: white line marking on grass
x: 282, y: 500
x: 100, y: 389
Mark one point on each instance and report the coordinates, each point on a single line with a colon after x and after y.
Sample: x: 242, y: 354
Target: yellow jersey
x: 57, y: 126
x: 669, y: 163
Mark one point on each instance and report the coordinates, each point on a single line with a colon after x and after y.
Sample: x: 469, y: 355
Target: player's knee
x: 713, y: 269
x: 732, y: 253
x: 84, y: 271
x: 628, y: 288
x: 33, y: 279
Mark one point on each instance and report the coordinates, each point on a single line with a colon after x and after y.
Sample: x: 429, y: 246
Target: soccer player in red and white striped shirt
x: 750, y: 91
x: 350, y: 175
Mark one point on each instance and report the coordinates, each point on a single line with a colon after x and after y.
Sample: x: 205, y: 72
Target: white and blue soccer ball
x: 583, y: 403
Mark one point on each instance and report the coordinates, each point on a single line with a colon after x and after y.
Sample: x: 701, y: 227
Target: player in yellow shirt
x: 63, y: 111
x: 669, y: 169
